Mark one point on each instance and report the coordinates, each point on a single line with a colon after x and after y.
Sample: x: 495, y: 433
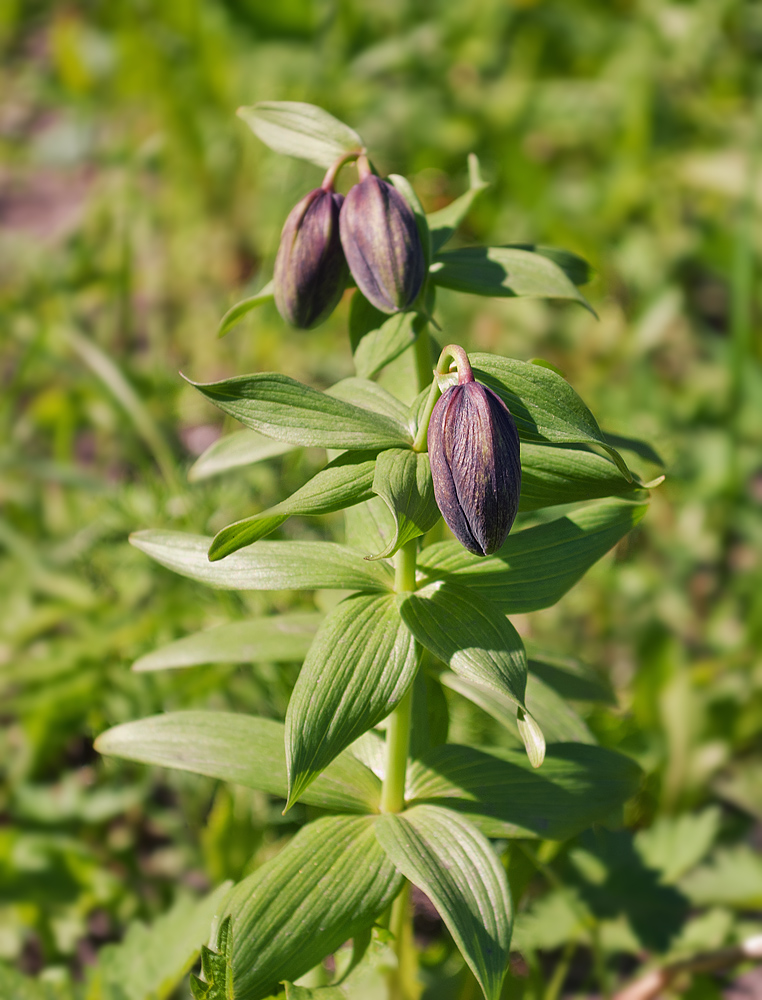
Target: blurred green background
x: 135, y: 209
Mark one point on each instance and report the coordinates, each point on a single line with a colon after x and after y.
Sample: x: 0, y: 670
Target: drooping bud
x: 382, y: 244
x: 474, y: 454
x: 310, y: 269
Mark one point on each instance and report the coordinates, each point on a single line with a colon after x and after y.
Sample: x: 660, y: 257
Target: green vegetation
x: 135, y: 209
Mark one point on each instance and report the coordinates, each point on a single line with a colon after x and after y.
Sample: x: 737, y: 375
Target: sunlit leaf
x: 301, y: 130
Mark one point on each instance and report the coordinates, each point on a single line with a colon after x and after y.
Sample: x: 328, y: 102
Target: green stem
x: 458, y: 355
x: 423, y: 358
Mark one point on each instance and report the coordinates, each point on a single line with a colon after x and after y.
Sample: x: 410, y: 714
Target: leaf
x: 443, y: 223
x: 234, y: 450
x: 301, y: 130
x: 551, y: 476
x: 732, y: 877
x: 360, y: 665
x: 557, y: 720
x: 236, y: 313
x: 370, y: 395
x: 576, y: 268
x: 537, y: 566
x: 274, y: 639
x: 640, y: 448
x: 470, y: 636
x: 328, y: 884
x: 345, y: 481
x: 403, y: 481
x: 283, y: 408
x: 152, y: 959
x: 675, y: 844
x: 16, y: 986
x: 376, y: 338
x: 568, y: 677
x: 543, y: 404
x: 476, y: 642
x: 217, y: 968
x: 505, y: 797
x: 403, y: 186
x: 504, y: 272
x: 269, y: 566
x: 454, y: 864
x: 242, y: 749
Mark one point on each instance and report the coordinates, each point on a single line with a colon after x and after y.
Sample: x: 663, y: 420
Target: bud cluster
x: 372, y: 234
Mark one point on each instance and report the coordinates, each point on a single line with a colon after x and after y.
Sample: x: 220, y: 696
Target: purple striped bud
x: 310, y: 269
x: 474, y: 454
x: 382, y: 245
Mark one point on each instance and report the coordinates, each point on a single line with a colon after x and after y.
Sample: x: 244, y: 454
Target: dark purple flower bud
x: 382, y: 244
x: 310, y: 269
x: 475, y: 465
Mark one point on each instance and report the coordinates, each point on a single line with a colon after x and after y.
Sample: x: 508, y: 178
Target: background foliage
x: 135, y: 209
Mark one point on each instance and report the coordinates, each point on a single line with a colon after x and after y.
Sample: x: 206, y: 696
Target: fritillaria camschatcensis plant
x: 424, y: 618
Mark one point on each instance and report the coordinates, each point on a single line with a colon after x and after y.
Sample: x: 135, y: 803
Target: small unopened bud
x: 474, y: 454
x: 382, y: 245
x: 310, y: 269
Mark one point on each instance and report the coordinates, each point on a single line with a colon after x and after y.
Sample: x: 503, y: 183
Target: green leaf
x: 370, y: 395
x: 574, y: 267
x: 376, y: 338
x: 469, y: 635
x: 732, y: 877
x: 328, y: 884
x: 275, y: 639
x: 345, y: 481
x: 236, y: 313
x: 151, y: 960
x: 243, y: 749
x: 477, y: 643
x: 640, y: 448
x: 233, y: 451
x: 543, y: 404
x: 360, y: 665
x: 537, y: 566
x: 217, y: 968
x: 502, y: 794
x: 569, y: 678
x: 551, y: 476
x: 301, y: 130
x: 504, y: 272
x: 403, y: 481
x: 16, y: 986
x: 268, y: 566
x: 403, y: 186
x: 675, y: 844
x: 556, y: 718
x: 283, y: 408
x: 443, y: 223
x: 454, y: 864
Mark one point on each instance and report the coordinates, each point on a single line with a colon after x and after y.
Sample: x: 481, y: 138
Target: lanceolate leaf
x: 454, y: 864
x: 574, y: 267
x: 537, y: 566
x: 499, y: 791
x: 283, y: 408
x: 345, y: 481
x: 543, y: 404
x: 234, y: 450
x: 243, y: 749
x: 236, y: 313
x: 443, y: 223
x: 505, y: 272
x: 556, y: 718
x: 330, y: 883
x: 403, y: 481
x: 277, y: 638
x: 267, y: 566
x: 301, y: 130
x: 360, y: 665
x: 370, y: 396
x: 477, y: 643
x: 551, y: 476
x: 377, y: 338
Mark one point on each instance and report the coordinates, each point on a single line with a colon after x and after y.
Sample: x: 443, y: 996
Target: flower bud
x: 474, y: 455
x: 310, y: 269
x: 382, y: 245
